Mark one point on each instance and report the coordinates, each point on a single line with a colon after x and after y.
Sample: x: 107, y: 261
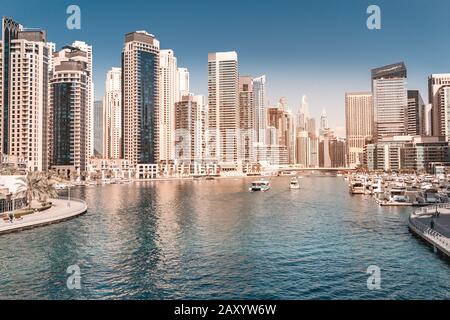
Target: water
x: 214, y: 239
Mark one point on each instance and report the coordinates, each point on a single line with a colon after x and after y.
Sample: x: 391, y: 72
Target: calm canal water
x: 216, y: 240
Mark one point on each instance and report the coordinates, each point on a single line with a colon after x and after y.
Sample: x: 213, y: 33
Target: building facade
x: 169, y: 95
x: 83, y: 46
x: 140, y: 98
x: 98, y: 129
x: 389, y: 100
x: 183, y: 83
x: 436, y: 97
x: 68, y: 112
x: 415, y: 114
x: 223, y: 103
x: 112, y: 115
x: 358, y: 124
x: 247, y: 117
x: 189, y: 129
x: 28, y: 99
x: 259, y: 100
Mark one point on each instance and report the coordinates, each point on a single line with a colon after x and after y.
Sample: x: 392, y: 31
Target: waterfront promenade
x: 432, y: 224
x: 60, y: 211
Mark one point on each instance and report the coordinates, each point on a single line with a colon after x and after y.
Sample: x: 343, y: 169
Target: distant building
x: 83, y: 46
x: 183, y: 83
x: 332, y: 152
x: 259, y: 100
x: 358, y: 124
x: 436, y: 97
x: 98, y: 128
x: 389, y: 100
x: 112, y: 114
x: 408, y: 153
x: 247, y: 115
x: 415, y: 114
x: 189, y: 129
x: 168, y: 96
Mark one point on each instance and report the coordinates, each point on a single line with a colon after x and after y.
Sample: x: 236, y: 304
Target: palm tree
x: 35, y: 185
x: 30, y: 186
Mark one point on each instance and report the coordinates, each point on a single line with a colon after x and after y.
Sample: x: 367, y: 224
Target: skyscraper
x: 29, y: 55
x: 390, y: 100
x: 358, y: 124
x: 112, y: 114
x: 259, y: 100
x: 189, y: 125
x: 415, y: 114
x: 183, y: 83
x: 323, y: 122
x: 168, y: 95
x: 69, y: 111
x: 247, y: 118
x: 83, y: 46
x: 444, y: 107
x: 436, y: 85
x: 223, y: 101
x: 140, y: 96
x: 98, y: 128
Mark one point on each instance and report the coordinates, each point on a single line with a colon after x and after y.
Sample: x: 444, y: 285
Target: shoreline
x: 59, y: 212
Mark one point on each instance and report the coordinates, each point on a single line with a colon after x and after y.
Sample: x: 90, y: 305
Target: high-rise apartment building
x: 189, y: 129
x: 24, y: 70
x: 358, y: 124
x: 436, y: 93
x: 223, y: 102
x: 259, y: 101
x: 140, y: 96
x: 83, y: 46
x: 168, y: 95
x: 10, y: 31
x: 247, y: 117
x: 70, y: 88
x: 323, y: 123
x: 444, y: 114
x: 390, y: 100
x: 112, y: 114
x: 98, y: 129
x: 183, y: 83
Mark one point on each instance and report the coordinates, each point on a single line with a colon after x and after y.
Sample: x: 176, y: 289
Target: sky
x: 319, y: 48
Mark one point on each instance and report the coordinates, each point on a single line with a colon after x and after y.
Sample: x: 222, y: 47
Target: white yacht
x: 294, y: 183
x: 260, y: 185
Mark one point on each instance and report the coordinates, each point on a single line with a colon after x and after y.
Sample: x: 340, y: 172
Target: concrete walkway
x: 60, y: 211
x: 439, y: 235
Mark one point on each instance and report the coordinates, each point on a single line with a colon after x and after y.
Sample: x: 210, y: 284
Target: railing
x: 432, y: 208
x: 431, y: 233
x: 7, y: 205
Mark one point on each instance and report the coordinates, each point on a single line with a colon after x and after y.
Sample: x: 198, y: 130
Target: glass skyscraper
x: 140, y: 97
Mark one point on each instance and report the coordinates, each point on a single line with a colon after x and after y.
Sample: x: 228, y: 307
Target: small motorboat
x: 260, y: 185
x: 294, y: 183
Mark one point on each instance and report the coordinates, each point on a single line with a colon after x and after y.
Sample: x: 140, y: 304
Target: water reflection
x: 214, y: 239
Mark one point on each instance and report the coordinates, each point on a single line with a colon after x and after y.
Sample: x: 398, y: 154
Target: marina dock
x: 432, y: 224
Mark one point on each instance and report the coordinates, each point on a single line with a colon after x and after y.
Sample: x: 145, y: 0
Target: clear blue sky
x: 321, y: 48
